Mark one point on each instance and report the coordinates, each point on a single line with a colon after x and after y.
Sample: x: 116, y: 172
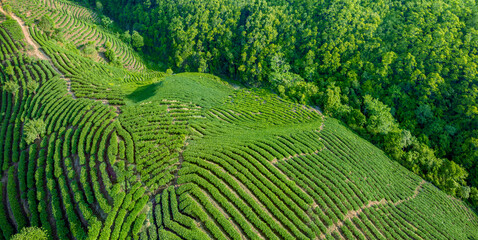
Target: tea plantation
x: 91, y: 149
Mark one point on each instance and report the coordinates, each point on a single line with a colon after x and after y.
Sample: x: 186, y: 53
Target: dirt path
x: 37, y: 52
x: 176, y: 173
x: 275, y: 160
x: 355, y: 213
x: 415, y: 194
x: 36, y: 49
x: 62, y: 76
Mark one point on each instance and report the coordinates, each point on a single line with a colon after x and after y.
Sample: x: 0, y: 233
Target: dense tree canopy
x: 402, y: 73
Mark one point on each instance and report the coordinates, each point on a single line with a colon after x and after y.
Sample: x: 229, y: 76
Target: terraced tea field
x: 129, y: 153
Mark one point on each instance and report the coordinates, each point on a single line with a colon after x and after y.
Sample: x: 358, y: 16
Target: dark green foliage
x: 136, y: 40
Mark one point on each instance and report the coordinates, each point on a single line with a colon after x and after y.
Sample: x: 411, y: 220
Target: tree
x: 474, y: 196
x: 379, y: 118
x: 332, y: 99
x: 31, y: 233
x: 452, y: 178
x: 46, y: 24
x: 147, y: 4
x: 137, y: 40
x: 89, y: 49
x: 126, y: 37
x: 33, y: 130
x: 106, y: 21
x: 463, y: 192
x: 356, y: 119
x: 32, y: 86
x: 99, y: 6
x: 406, y: 139
x: 7, y: 8
x: 424, y: 114
x: 11, y: 87
x: 108, y: 45
x: 301, y: 91
x: 9, y: 70
x: 110, y: 55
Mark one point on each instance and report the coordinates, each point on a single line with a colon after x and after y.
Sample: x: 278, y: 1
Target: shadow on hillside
x: 144, y: 92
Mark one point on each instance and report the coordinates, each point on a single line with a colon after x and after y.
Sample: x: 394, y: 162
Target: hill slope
x: 131, y: 153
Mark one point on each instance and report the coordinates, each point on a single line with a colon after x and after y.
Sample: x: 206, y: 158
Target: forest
x: 402, y: 74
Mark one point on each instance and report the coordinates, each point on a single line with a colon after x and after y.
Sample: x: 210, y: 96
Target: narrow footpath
x: 36, y: 51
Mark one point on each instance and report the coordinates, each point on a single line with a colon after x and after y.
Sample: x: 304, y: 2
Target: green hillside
x: 401, y: 74
x: 95, y: 148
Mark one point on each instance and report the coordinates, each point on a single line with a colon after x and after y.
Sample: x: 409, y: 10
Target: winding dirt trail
x: 36, y: 51
x: 355, y: 213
